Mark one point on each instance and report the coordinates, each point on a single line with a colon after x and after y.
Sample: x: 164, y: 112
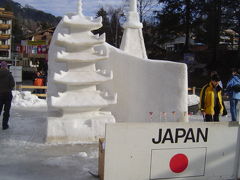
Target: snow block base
x: 86, y: 127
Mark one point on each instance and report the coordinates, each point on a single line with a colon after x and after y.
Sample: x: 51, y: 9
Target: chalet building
x: 34, y: 50
x: 6, y: 18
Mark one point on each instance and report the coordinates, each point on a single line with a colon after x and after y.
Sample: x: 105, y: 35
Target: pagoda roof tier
x: 82, y: 40
x: 83, y: 100
x: 83, y: 77
x: 81, y: 56
x: 82, y: 22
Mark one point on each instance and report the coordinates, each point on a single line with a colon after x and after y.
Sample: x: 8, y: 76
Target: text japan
x: 181, y: 135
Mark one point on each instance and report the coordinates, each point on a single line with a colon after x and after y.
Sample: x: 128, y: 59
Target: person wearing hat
x: 6, y: 86
x: 211, y: 103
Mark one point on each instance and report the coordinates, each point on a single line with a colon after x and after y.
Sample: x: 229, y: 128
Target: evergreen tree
x: 106, y: 24
x: 213, y: 28
x: 180, y: 18
x: 231, y: 16
x: 111, y: 25
x: 169, y: 20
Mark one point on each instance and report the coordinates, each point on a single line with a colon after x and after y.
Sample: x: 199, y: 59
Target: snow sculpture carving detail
x: 79, y: 103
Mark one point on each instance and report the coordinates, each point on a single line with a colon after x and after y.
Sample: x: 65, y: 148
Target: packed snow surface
x: 193, y: 100
x: 24, y: 99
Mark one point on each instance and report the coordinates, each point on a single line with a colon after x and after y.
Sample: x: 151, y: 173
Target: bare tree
x: 112, y: 18
x: 145, y: 7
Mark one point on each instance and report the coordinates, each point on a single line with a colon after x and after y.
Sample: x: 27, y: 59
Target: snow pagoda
x: 74, y: 102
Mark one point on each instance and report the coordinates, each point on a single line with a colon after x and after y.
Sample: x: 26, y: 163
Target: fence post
x: 194, y: 90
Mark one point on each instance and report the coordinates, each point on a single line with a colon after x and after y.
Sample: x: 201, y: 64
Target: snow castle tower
x: 74, y: 102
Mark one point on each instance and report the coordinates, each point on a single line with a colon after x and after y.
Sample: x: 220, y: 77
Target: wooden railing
x: 193, y: 89
x: 4, y: 47
x: 4, y: 36
x: 21, y: 87
x: 4, y: 26
x: 6, y: 14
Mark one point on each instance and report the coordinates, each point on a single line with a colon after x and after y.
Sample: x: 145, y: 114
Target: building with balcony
x: 34, y: 50
x: 6, y: 18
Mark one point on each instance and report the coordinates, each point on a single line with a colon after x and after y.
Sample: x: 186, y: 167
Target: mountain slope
x: 28, y: 20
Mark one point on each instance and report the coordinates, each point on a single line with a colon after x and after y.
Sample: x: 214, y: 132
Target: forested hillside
x: 27, y: 19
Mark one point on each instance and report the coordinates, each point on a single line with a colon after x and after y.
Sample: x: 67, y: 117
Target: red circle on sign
x: 178, y: 163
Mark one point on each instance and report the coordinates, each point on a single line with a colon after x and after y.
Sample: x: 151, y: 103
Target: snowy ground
x: 24, y: 156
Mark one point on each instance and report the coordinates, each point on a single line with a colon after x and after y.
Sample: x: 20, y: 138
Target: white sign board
x: 16, y: 73
x: 155, y: 151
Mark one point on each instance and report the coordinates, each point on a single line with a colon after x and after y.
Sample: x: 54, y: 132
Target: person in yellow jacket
x: 211, y: 103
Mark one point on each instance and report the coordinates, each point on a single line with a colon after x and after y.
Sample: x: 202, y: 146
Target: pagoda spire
x: 133, y: 5
x: 80, y: 7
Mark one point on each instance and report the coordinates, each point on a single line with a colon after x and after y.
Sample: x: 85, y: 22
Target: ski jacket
x: 6, y: 81
x: 38, y: 81
x: 232, y: 82
x: 207, y: 99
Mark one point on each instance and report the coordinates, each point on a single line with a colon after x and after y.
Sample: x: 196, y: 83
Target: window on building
x: 4, y: 54
x: 3, y: 42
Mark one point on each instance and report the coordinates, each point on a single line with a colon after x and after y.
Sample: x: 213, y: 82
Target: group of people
x: 211, y: 100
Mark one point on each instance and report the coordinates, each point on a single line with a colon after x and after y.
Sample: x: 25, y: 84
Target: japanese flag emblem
x: 177, y: 163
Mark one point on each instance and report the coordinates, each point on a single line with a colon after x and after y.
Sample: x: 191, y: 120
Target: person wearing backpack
x: 233, y: 91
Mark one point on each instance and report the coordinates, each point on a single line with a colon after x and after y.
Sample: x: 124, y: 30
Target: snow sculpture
x: 133, y: 30
x: 144, y: 85
x: 73, y: 100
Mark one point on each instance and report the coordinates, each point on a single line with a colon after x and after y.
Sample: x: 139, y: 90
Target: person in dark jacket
x: 6, y: 86
x: 219, y: 88
x: 233, y: 94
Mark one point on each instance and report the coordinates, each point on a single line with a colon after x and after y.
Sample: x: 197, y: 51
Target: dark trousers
x: 233, y: 109
x: 211, y: 118
x: 5, y: 104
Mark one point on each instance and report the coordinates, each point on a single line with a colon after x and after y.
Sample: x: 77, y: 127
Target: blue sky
x: 61, y: 7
